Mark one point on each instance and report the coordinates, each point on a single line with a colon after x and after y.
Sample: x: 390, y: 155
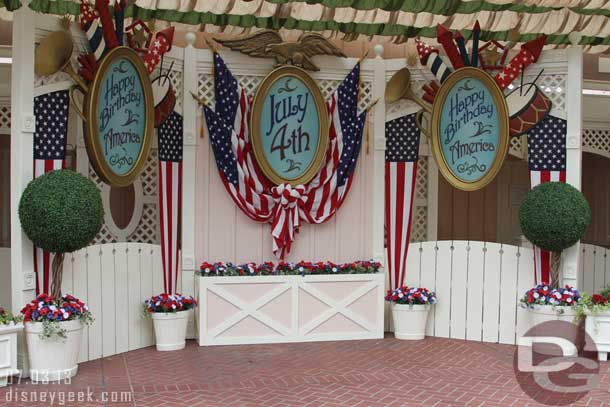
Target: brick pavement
x: 372, y: 373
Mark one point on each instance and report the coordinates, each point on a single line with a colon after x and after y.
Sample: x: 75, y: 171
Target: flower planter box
x: 598, y: 328
x: 8, y: 351
x: 273, y: 309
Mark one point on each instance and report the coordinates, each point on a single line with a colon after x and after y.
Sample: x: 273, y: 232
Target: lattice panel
x: 419, y: 224
x: 149, y: 174
x: 596, y: 141
x: 518, y: 146
x: 5, y: 117
x: 421, y: 182
x: 250, y: 84
x: 146, y: 232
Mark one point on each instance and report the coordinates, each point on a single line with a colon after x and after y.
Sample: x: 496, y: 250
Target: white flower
x: 536, y: 295
x: 65, y: 315
x: 401, y: 295
x: 334, y: 269
x: 174, y: 306
x: 52, y: 307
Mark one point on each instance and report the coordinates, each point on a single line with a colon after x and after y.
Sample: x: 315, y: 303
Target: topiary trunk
x: 555, y: 266
x: 57, y: 268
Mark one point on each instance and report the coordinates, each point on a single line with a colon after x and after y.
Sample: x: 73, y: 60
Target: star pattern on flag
x: 546, y: 145
x: 226, y: 89
x: 51, y: 111
x: 225, y: 159
x: 170, y: 139
x: 402, y: 139
x: 351, y: 124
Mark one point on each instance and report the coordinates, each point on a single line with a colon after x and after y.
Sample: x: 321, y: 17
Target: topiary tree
x: 554, y: 216
x: 61, y: 212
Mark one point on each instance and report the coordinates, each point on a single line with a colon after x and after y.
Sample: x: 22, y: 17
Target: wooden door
x: 596, y: 188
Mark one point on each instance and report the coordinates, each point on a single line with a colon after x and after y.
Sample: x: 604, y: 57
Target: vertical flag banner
x: 170, y: 197
x: 546, y: 148
x: 51, y: 111
x: 402, y: 153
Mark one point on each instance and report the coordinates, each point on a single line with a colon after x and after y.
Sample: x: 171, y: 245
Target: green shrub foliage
x: 61, y: 211
x: 554, y: 216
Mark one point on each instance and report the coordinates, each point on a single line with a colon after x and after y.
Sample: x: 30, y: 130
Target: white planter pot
x: 410, y: 321
x: 545, y: 313
x: 55, y: 358
x: 598, y: 328
x: 8, y: 351
x: 170, y: 329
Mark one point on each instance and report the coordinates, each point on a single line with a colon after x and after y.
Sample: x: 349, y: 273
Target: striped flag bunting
x: 402, y: 154
x: 546, y: 148
x: 283, y: 206
x: 170, y: 197
x: 50, y: 138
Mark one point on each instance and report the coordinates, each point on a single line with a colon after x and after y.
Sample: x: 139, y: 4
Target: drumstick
x: 168, y: 71
x: 522, y: 75
x: 532, y: 84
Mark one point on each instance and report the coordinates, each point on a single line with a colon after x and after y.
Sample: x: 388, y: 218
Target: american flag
x: 170, y: 197
x: 402, y: 153
x: 51, y: 111
x: 242, y: 177
x: 546, y: 148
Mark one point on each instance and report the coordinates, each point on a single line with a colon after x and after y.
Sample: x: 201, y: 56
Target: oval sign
x: 289, y: 126
x: 469, y: 129
x: 120, y: 117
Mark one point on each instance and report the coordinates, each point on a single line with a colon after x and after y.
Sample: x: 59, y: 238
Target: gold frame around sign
x: 503, y: 136
x: 92, y: 140
x: 257, y: 107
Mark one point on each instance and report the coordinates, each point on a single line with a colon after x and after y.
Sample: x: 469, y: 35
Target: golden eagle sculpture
x: 269, y: 44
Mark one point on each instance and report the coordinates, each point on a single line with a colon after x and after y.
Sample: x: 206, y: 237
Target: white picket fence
x: 478, y: 286
x: 114, y: 279
x: 595, y: 266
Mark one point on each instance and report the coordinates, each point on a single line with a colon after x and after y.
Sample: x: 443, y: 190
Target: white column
x: 570, y: 256
x: 189, y: 110
x: 23, y: 282
x: 378, y: 192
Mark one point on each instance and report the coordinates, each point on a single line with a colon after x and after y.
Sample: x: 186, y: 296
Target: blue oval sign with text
x: 120, y: 117
x: 471, y: 129
x: 289, y: 126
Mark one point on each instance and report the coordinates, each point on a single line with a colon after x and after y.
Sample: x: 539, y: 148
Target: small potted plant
x: 60, y: 212
x: 597, y: 322
x: 410, y: 307
x: 54, y: 329
x: 170, y: 315
x: 10, y: 325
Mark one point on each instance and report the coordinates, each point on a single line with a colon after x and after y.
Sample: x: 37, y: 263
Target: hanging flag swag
x: 284, y: 206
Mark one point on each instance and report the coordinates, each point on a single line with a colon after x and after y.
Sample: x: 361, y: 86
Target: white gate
x: 478, y: 285
x: 113, y: 280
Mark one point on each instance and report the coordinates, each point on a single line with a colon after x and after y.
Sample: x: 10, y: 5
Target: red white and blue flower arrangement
x: 283, y: 268
x: 411, y: 296
x: 169, y: 303
x: 51, y: 311
x: 543, y: 294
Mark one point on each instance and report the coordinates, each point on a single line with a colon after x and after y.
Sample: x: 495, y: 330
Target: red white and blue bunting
x: 283, y: 206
